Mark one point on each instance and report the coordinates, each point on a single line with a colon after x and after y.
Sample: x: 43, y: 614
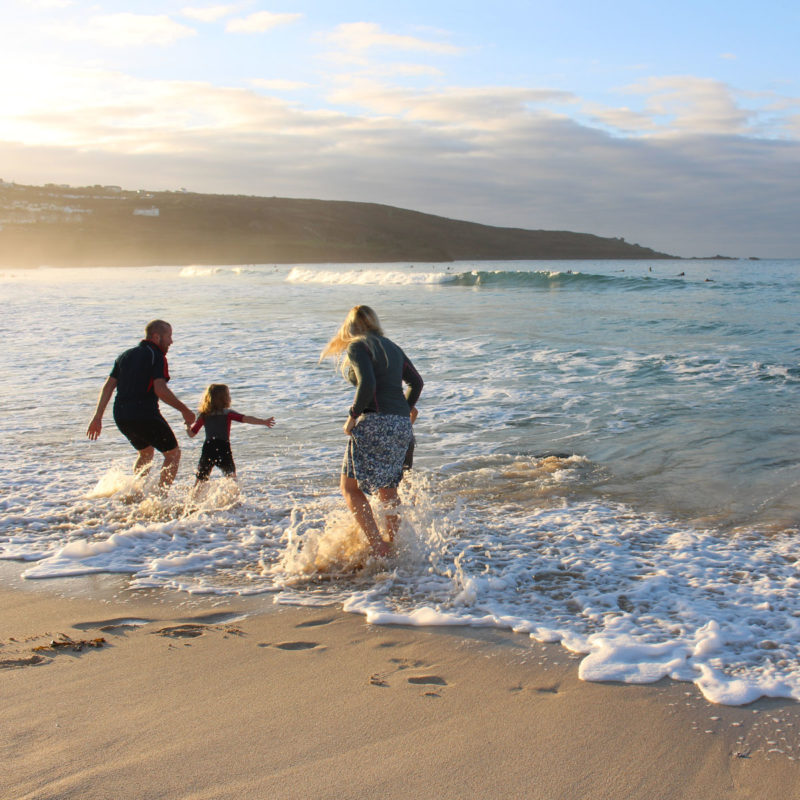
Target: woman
x: 379, y: 424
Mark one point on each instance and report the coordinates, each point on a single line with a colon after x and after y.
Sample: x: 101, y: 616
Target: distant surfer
x: 379, y: 422
x: 139, y: 377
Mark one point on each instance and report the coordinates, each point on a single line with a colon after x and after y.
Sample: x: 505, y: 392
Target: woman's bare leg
x: 358, y: 504
x: 391, y: 502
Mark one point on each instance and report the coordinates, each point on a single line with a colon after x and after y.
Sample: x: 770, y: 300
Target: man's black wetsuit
x: 136, y: 410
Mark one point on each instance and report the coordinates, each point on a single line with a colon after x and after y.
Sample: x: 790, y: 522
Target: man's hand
x: 94, y: 429
x: 96, y: 425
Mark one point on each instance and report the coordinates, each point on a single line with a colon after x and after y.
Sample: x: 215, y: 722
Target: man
x: 140, y: 378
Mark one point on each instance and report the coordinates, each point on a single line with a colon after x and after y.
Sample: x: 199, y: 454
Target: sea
x: 608, y: 452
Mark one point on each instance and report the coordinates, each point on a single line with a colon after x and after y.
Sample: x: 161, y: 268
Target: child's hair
x: 217, y: 398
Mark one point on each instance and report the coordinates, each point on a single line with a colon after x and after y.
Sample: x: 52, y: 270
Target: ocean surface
x: 608, y: 452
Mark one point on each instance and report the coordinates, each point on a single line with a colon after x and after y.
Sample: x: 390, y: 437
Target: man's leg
x: 169, y: 469
x: 143, y: 463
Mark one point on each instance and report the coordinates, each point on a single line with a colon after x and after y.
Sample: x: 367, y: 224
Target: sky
x: 673, y: 125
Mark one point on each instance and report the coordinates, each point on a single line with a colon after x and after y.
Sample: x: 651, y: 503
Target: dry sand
x: 293, y: 702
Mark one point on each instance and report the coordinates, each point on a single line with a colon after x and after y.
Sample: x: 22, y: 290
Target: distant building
x: 145, y: 212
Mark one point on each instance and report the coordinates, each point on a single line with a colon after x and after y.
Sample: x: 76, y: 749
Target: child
x: 215, y: 413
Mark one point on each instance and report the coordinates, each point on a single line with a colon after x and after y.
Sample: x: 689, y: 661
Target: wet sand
x: 218, y: 698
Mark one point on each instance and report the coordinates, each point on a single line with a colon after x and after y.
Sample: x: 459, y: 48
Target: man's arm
x: 163, y: 393
x: 96, y: 425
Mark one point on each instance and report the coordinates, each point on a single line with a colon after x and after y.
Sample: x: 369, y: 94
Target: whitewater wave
x: 202, y: 271
x: 365, y: 277
x: 540, y: 279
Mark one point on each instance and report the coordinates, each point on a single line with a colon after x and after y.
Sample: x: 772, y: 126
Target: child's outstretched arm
x: 258, y: 421
x: 193, y: 430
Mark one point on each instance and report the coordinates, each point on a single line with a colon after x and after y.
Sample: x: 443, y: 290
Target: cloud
x: 260, y: 22
x: 353, y: 41
x: 398, y: 69
x: 621, y: 119
x: 210, y: 13
x: 685, y: 103
x: 278, y: 85
x: 127, y: 30
x: 497, y: 155
x: 479, y: 107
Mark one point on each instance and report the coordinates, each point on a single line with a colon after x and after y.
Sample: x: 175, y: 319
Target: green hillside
x: 92, y: 226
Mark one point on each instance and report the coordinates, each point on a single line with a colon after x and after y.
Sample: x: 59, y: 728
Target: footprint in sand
x: 219, y: 618
x: 400, y: 664
x: 428, y: 680
x: 406, y: 663
x: 538, y: 689
x: 293, y: 646
x: 187, y: 631
x: 117, y: 625
x: 313, y: 623
x: 14, y: 663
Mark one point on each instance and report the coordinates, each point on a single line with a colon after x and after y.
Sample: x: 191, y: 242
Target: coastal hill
x: 108, y: 226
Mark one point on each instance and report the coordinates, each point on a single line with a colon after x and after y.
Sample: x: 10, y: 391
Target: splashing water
x: 604, y: 457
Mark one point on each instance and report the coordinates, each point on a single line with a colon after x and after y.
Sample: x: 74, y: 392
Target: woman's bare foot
x: 383, y: 549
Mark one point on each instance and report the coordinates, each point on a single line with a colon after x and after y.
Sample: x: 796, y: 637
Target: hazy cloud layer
x: 685, y: 164
x: 210, y: 13
x: 260, y: 22
x: 128, y: 30
x: 355, y: 39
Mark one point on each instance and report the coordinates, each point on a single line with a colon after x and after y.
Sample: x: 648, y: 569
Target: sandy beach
x: 108, y: 692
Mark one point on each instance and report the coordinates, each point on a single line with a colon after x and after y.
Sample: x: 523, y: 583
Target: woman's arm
x: 414, y: 381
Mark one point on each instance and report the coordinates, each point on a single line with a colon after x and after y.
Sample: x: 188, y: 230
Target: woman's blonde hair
x: 216, y: 398
x: 360, y: 325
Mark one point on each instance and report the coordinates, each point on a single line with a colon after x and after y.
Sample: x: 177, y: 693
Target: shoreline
x: 385, y: 262
x: 235, y: 697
